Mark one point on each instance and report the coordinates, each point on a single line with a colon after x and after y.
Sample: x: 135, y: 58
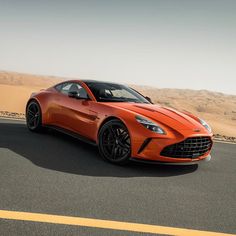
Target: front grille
x: 189, y: 148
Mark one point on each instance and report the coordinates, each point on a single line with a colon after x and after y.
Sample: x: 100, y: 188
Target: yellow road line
x: 105, y: 224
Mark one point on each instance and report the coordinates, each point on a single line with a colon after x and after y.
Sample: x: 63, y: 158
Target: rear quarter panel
x: 45, y: 100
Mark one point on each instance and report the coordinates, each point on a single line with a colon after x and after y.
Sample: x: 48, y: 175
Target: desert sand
x: 218, y: 109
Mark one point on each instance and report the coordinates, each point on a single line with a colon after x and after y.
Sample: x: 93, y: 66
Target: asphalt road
x: 55, y: 174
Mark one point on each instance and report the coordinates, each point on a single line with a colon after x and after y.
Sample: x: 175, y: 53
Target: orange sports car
x: 124, y: 124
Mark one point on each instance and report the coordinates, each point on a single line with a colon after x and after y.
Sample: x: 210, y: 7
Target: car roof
x: 89, y: 81
x: 99, y: 82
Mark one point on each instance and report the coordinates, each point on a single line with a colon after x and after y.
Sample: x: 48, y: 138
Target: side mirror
x: 149, y: 99
x: 72, y: 94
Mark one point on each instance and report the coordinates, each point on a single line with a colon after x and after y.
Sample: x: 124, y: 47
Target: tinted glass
x: 109, y: 92
x: 65, y: 88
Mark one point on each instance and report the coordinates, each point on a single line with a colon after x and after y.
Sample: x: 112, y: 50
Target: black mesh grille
x: 189, y: 148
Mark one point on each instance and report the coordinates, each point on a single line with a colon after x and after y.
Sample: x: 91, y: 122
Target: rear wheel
x: 34, y: 116
x: 114, y: 142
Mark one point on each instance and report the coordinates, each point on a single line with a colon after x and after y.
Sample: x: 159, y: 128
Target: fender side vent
x: 144, y: 145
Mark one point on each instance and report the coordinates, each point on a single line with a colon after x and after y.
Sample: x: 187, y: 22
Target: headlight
x: 203, y: 122
x: 150, y: 125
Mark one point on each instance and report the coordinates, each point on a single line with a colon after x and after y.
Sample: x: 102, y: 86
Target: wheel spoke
x: 35, y: 108
x: 108, y: 140
x: 121, y: 134
x: 123, y: 141
x: 114, y: 151
x: 31, y: 120
x: 125, y: 147
x: 122, y: 151
x: 126, y: 137
x: 112, y: 132
x: 119, y: 151
x: 35, y: 122
x: 30, y: 113
x: 108, y: 144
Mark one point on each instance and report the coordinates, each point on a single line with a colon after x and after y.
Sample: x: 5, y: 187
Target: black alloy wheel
x: 34, y: 116
x: 114, y: 142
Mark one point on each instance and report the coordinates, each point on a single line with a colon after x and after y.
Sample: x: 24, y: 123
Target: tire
x: 34, y: 116
x: 114, y: 142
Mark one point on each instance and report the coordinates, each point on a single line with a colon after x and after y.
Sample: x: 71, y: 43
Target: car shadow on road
x: 56, y: 151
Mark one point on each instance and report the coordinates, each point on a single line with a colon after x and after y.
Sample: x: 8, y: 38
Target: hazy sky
x: 181, y: 44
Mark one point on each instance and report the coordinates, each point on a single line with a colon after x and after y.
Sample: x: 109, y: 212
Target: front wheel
x: 114, y: 142
x: 34, y: 116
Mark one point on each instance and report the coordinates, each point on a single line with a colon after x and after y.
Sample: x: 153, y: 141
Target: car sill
x: 72, y: 134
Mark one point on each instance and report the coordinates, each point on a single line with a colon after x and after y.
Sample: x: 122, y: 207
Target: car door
x: 74, y: 111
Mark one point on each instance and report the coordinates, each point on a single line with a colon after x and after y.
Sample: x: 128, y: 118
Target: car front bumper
x: 193, y: 162
x: 153, y: 149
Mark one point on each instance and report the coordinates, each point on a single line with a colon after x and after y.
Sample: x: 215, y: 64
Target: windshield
x: 109, y: 92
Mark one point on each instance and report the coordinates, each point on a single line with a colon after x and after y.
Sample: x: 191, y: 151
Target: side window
x: 65, y: 88
x: 58, y: 87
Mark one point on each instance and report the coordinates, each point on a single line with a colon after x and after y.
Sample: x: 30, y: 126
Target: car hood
x: 163, y: 115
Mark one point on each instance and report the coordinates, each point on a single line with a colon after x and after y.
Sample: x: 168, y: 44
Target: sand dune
x: 217, y: 108
x: 28, y: 80
x: 15, y: 89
